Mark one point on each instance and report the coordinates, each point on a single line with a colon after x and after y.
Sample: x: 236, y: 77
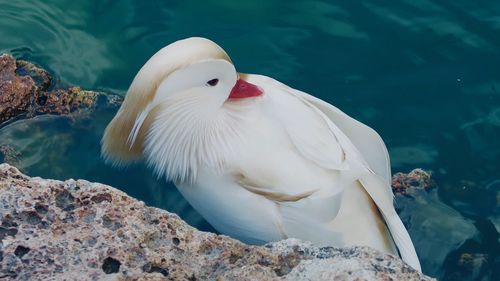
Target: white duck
x: 260, y: 161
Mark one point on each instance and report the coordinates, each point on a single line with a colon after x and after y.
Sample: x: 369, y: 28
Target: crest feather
x: 116, y: 147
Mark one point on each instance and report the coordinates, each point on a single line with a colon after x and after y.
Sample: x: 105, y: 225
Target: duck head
x: 187, y: 81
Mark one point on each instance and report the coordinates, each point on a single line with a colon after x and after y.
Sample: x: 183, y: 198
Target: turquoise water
x: 425, y: 74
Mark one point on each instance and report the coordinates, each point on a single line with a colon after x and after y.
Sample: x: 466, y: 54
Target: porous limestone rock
x: 78, y: 230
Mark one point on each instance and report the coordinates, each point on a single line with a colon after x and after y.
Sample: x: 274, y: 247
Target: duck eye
x: 213, y: 82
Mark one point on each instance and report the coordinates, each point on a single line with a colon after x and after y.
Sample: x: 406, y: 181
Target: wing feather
x: 310, y: 132
x: 368, y: 142
x: 304, y: 216
x: 365, y: 139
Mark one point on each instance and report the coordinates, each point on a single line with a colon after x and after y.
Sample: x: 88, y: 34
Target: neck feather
x: 188, y: 134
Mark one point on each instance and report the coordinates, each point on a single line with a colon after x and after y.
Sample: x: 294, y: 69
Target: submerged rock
x: 27, y: 90
x: 76, y: 230
x: 437, y: 230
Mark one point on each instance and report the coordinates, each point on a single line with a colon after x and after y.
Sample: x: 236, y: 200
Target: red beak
x: 243, y: 89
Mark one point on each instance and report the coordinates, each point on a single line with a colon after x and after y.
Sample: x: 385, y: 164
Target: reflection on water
x: 77, y: 54
x: 423, y: 73
x: 413, y: 155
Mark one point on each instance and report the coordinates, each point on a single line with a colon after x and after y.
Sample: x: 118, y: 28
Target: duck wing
x: 361, y: 143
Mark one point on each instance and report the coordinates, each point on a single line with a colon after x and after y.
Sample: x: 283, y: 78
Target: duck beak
x: 242, y: 89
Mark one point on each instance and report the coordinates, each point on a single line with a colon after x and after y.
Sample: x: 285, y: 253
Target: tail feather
x: 382, y: 196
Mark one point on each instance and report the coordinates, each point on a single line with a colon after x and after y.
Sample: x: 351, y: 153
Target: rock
x: 16, y: 92
x: 8, y: 154
x: 417, y: 179
x: 66, y: 101
x: 40, y: 76
x: 25, y: 92
x: 76, y: 230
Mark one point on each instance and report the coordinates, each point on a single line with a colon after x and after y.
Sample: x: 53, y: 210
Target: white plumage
x: 260, y: 161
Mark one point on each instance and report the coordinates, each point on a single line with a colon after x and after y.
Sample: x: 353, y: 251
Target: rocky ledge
x: 27, y: 89
x: 78, y: 230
